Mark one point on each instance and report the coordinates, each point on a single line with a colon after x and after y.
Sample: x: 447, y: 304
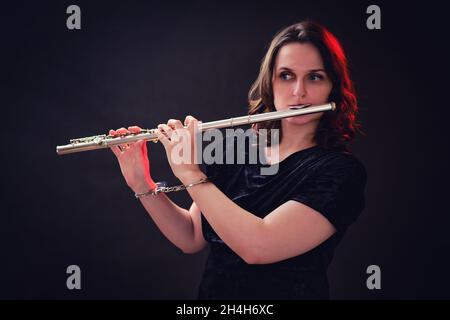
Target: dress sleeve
x: 336, y: 191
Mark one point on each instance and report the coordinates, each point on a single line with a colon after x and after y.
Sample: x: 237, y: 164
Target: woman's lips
x: 300, y: 105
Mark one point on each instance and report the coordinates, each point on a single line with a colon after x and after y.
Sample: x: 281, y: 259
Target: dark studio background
x: 138, y: 62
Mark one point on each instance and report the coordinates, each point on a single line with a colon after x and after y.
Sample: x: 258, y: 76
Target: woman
x: 272, y: 236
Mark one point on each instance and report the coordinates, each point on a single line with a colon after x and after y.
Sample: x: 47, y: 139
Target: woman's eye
x: 285, y: 76
x: 316, y: 77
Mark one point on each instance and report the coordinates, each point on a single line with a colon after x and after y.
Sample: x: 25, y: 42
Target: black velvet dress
x: 331, y: 182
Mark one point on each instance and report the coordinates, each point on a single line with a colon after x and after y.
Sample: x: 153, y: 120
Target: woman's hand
x: 180, y: 146
x: 133, y: 161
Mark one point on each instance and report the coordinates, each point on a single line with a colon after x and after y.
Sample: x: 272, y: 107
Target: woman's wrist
x: 145, y: 186
x: 191, y: 177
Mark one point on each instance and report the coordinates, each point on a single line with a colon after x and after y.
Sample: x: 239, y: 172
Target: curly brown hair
x: 335, y: 129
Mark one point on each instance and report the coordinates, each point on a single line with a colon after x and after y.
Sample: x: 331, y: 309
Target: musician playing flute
x: 270, y: 236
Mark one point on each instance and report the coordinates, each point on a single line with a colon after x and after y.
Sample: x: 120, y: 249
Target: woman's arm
x: 290, y: 230
x: 180, y: 226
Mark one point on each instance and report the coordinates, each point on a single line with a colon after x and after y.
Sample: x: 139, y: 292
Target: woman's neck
x: 297, y: 137
x: 294, y: 138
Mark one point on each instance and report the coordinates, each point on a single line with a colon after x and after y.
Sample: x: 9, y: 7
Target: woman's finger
x: 188, y: 119
x: 116, y: 150
x: 134, y: 129
x: 162, y: 138
x: 191, y: 126
x: 165, y: 129
x: 124, y: 146
x: 122, y: 131
x: 175, y: 124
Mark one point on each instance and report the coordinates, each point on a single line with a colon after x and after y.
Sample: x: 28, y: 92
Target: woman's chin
x: 299, y: 120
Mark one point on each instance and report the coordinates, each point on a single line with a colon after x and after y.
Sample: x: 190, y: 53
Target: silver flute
x: 106, y: 141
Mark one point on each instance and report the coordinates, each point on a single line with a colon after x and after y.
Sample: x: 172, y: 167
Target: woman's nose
x: 299, y: 88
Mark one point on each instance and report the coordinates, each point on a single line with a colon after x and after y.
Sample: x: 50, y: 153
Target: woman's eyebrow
x: 312, y: 70
x: 315, y: 70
